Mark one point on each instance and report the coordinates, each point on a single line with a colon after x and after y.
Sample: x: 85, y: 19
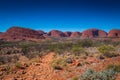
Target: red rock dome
x: 75, y: 34
x: 41, y: 32
x: 114, y: 33
x: 56, y: 33
x: 18, y: 33
x: 90, y: 33
x: 67, y: 34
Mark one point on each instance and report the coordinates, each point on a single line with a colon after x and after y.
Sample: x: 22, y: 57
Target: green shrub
x: 2, y: 60
x: 103, y: 75
x: 8, y: 68
x: 58, y: 64
x: 116, y: 67
x: 86, y: 43
x: 5, y: 59
x: 108, y: 51
x: 19, y: 65
x: 75, y: 78
x: 76, y: 50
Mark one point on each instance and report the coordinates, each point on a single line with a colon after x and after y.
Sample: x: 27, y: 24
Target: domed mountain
x: 67, y: 34
x: 90, y: 33
x: 114, y: 33
x: 41, y: 32
x: 75, y: 34
x: 18, y: 33
x: 56, y: 33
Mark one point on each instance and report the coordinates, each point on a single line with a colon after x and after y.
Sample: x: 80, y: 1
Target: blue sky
x: 64, y: 15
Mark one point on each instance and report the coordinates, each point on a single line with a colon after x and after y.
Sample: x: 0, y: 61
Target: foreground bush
x: 116, y: 67
x: 58, y: 64
x: 76, y: 50
x: 108, y: 51
x: 103, y: 75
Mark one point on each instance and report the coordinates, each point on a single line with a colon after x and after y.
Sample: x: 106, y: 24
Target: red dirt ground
x: 42, y: 69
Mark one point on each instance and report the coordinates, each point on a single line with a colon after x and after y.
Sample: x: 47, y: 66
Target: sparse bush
x: 86, y: 43
x: 108, y: 51
x: 19, y: 65
x: 103, y: 75
x: 75, y: 78
x: 8, y: 68
x: 58, y: 50
x: 116, y: 67
x: 58, y: 64
x: 15, y: 58
x: 77, y: 50
x: 8, y: 59
x: 2, y: 60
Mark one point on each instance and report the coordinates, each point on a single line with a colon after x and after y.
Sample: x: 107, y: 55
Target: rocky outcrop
x: 18, y: 33
x: 56, y: 33
x: 41, y: 32
x: 67, y: 34
x: 75, y: 34
x: 114, y: 33
x: 90, y: 33
x: 1, y: 34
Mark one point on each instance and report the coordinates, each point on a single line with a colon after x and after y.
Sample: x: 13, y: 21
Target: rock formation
x: 114, y: 33
x: 67, y: 34
x: 56, y: 33
x: 90, y: 33
x: 41, y: 32
x: 75, y: 34
x: 18, y: 33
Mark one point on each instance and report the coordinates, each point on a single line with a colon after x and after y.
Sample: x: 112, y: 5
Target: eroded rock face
x: 114, y: 33
x: 90, y: 33
x: 1, y: 34
x: 41, y: 32
x: 67, y: 34
x: 18, y: 33
x: 56, y: 33
x: 75, y: 34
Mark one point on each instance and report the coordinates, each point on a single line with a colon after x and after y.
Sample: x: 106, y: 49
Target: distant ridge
x: 17, y: 33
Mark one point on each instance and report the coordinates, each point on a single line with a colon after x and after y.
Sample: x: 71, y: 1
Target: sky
x: 64, y: 15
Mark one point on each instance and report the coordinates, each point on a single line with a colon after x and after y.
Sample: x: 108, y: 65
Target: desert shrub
x: 103, y: 75
x: 108, y: 51
x: 5, y: 59
x: 31, y: 51
x: 15, y: 58
x: 59, y: 51
x: 18, y: 65
x: 58, y: 64
x: 2, y: 60
x: 8, y: 68
x: 76, y: 50
x: 58, y: 48
x: 75, y: 78
x: 116, y: 67
x: 31, y: 55
x: 86, y: 43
